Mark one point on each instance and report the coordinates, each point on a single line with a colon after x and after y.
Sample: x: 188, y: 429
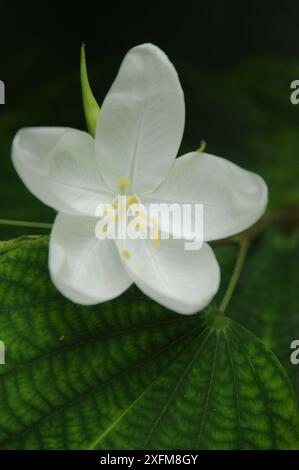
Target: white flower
x: 137, y: 139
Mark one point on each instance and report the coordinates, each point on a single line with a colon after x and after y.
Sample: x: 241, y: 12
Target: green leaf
x: 272, y: 274
x: 129, y: 373
x: 90, y: 105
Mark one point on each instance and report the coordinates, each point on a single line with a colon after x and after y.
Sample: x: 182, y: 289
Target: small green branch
x: 24, y: 223
x: 243, y: 249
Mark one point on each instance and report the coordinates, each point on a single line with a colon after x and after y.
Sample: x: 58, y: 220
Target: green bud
x: 90, y: 105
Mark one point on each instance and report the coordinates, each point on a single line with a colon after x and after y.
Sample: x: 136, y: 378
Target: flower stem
x: 23, y: 223
x: 243, y: 248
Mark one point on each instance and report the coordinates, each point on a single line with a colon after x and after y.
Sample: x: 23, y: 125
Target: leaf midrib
x: 178, y: 384
x: 146, y: 390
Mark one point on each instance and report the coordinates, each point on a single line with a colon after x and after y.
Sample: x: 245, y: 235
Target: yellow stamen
x: 123, y: 182
x: 104, y: 229
x: 132, y: 200
x: 126, y: 254
x: 138, y: 226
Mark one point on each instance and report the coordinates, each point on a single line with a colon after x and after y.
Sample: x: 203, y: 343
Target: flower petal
x: 142, y: 121
x: 233, y: 199
x: 58, y: 166
x: 83, y: 268
x: 184, y: 281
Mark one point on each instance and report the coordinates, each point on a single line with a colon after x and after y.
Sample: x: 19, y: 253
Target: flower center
x: 141, y: 218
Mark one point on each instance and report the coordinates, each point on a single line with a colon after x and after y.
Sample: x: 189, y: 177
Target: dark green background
x: 236, y: 61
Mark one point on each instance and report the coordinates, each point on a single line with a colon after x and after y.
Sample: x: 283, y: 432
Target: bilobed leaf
x: 90, y: 105
x: 129, y: 373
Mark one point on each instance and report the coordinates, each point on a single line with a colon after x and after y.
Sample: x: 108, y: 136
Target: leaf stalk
x: 243, y: 249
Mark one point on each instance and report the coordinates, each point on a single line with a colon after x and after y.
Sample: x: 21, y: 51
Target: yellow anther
x: 132, y: 200
x: 123, y: 183
x: 104, y: 229
x: 126, y: 254
x: 138, y: 225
